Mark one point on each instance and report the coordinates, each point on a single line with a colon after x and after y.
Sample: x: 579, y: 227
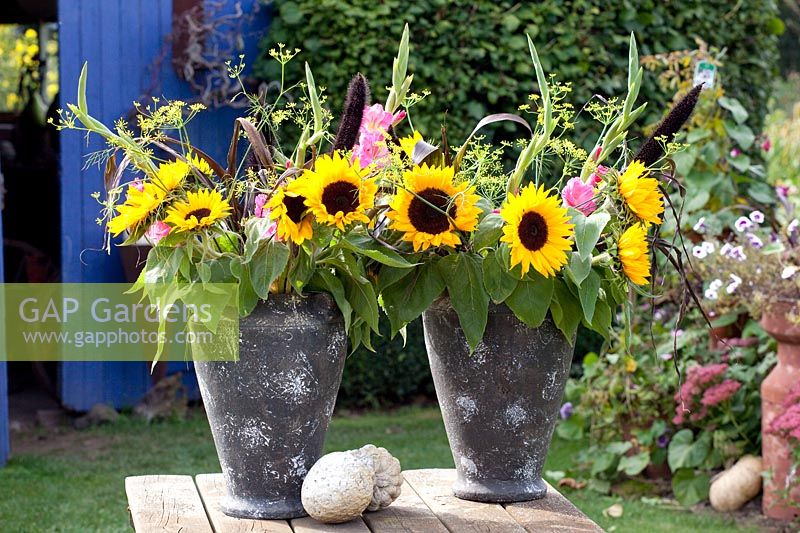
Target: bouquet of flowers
x: 369, y: 216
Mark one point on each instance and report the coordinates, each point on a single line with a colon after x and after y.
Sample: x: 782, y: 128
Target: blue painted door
x: 121, y: 40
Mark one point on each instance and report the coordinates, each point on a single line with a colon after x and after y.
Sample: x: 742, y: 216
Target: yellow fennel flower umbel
x: 634, y: 254
x: 431, y: 208
x: 336, y: 193
x: 641, y: 193
x: 200, y: 210
x: 537, y: 230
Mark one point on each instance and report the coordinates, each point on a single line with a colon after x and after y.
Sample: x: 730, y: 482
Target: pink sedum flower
x: 157, y: 231
x: 579, y: 195
x: 719, y: 393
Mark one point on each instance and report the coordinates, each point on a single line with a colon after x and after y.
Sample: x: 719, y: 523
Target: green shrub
x: 393, y: 375
x: 473, y: 56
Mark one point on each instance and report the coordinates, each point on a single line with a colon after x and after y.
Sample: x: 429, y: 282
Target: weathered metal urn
x: 270, y: 410
x: 499, y: 404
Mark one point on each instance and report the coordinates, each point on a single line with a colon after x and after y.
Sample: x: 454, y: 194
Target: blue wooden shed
x: 123, y: 41
x: 129, y: 52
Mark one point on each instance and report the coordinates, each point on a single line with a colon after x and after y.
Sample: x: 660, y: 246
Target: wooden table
x: 426, y: 505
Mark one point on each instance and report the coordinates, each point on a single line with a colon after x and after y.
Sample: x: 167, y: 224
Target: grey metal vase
x: 499, y: 404
x: 270, y: 410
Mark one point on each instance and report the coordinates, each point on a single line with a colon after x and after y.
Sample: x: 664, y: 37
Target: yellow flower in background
x: 200, y: 210
x: 641, y: 194
x: 408, y: 143
x: 537, y: 229
x: 200, y: 164
x: 335, y: 192
x: 140, y: 202
x: 634, y: 254
x: 431, y: 208
x: 171, y: 175
x: 630, y: 365
x: 288, y: 209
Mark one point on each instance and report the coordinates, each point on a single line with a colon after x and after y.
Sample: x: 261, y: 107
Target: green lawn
x: 80, y: 488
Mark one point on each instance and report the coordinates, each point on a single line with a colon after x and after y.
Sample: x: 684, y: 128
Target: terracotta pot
x: 499, y: 404
x: 269, y: 411
x: 776, y: 451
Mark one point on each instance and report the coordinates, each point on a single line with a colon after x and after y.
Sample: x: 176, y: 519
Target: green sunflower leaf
x: 462, y: 273
x: 497, y: 279
x: 406, y: 299
x: 531, y: 299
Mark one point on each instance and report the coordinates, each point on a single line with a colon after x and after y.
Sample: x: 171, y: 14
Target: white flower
x: 734, y: 284
x: 699, y: 252
x: 755, y: 242
x: 708, y: 246
x: 789, y: 271
x: 757, y: 217
x: 791, y: 229
x: 715, y: 285
x: 711, y: 295
x: 742, y: 224
x: 737, y: 252
x: 725, y: 250
x: 700, y: 227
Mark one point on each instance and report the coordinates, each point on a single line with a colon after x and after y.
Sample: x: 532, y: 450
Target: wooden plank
x: 553, y: 513
x: 212, y: 490
x: 309, y: 525
x: 165, y: 504
x: 434, y: 487
x: 407, y: 514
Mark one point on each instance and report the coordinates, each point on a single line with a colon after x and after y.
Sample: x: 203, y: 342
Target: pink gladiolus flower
x: 377, y: 120
x: 260, y: 201
x: 157, y: 231
x: 579, y: 195
x: 597, y: 152
x: 598, y: 174
x: 371, y: 150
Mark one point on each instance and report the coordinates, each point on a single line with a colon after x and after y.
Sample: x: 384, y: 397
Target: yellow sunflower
x: 288, y: 209
x: 634, y: 254
x: 171, y: 175
x: 141, y: 200
x: 641, y: 194
x: 537, y: 229
x: 407, y: 144
x: 200, y: 210
x: 431, y: 208
x: 335, y: 192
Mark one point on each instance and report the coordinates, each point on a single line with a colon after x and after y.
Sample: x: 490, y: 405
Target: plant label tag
x: 704, y: 74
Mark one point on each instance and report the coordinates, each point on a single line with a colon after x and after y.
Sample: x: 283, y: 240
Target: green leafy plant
x: 473, y: 55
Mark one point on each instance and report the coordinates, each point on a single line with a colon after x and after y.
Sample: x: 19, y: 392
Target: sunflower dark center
x: 532, y: 231
x: 198, y: 213
x: 427, y: 218
x: 340, y: 196
x: 295, y: 207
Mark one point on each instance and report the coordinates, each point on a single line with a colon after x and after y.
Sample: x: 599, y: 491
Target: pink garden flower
x: 598, y: 175
x: 260, y: 201
x: 579, y: 195
x: 157, y: 231
x: 371, y: 150
x: 137, y: 184
x: 766, y: 145
x: 720, y: 393
x: 376, y: 120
